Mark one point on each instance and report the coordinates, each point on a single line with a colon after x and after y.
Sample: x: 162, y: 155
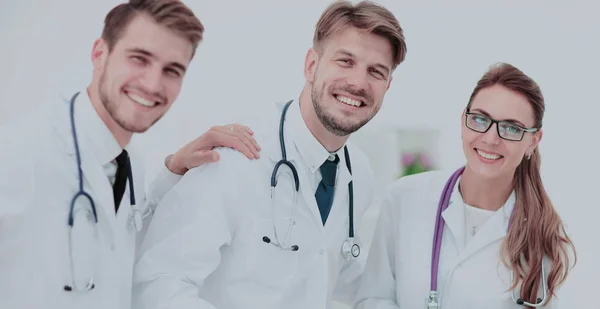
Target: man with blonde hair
x: 72, y: 202
x: 222, y: 238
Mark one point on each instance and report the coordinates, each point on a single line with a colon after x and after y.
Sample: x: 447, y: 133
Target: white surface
x: 246, y: 60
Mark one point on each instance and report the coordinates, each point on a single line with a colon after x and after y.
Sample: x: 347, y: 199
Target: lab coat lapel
x: 493, y: 230
x: 454, y: 218
x: 309, y: 197
x: 273, y: 148
x: 98, y: 185
x: 339, y: 210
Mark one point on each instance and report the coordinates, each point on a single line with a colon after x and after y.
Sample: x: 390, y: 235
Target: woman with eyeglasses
x: 485, y: 235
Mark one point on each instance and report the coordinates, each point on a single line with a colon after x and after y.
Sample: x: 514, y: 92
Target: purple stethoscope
x: 433, y: 298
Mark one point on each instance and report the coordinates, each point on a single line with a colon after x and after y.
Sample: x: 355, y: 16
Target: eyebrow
x: 508, y: 120
x: 351, y: 55
x: 149, y: 54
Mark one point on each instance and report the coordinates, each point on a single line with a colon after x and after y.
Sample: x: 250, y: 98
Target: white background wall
x: 253, y: 55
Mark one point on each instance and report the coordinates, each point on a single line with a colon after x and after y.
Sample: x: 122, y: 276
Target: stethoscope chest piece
x: 350, y: 250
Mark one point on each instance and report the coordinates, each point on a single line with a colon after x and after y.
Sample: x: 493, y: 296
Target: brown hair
x: 365, y: 15
x: 537, y: 230
x: 173, y: 14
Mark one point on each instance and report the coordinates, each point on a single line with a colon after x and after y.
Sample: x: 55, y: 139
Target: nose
x: 491, y: 136
x: 358, y: 78
x: 152, y: 80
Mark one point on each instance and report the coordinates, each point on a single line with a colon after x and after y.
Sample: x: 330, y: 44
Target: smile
x: 488, y: 156
x: 140, y: 100
x: 348, y: 101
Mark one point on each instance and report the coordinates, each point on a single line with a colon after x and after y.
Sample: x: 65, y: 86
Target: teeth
x: 348, y: 101
x: 488, y: 156
x: 141, y: 100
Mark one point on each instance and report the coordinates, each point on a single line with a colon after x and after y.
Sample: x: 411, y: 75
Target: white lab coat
x: 204, y: 247
x: 398, y: 271
x: 38, y: 178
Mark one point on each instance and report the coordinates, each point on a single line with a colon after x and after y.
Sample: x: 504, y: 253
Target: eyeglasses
x: 506, y: 130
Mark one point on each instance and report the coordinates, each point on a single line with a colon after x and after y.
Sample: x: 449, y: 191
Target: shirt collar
x: 94, y: 135
x: 310, y: 149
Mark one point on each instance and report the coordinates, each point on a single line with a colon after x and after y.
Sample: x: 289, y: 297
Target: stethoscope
x: 135, y: 219
x: 444, y: 202
x: 350, y: 249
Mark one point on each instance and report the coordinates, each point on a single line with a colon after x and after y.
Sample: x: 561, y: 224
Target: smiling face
x: 141, y: 76
x: 488, y: 154
x: 349, y: 76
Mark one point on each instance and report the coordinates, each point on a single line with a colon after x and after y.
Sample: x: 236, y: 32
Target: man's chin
x: 342, y: 129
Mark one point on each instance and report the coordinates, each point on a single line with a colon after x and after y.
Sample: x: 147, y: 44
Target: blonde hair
x: 365, y: 15
x: 537, y: 229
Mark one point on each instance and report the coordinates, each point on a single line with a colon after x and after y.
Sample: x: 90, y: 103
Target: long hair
x: 537, y: 229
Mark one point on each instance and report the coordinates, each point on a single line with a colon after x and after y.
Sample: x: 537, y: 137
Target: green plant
x: 415, y: 163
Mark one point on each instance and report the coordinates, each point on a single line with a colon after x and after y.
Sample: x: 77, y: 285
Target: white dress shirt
x: 205, y: 249
x: 475, y: 218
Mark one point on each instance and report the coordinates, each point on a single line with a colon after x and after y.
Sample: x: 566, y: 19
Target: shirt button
x: 321, y: 252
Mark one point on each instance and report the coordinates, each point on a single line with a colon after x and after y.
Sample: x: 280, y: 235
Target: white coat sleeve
x: 182, y: 245
x: 378, y: 284
x: 159, y: 187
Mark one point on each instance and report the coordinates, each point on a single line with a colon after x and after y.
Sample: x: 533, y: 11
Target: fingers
x: 240, y: 138
x: 222, y: 136
x: 239, y: 127
x: 245, y: 134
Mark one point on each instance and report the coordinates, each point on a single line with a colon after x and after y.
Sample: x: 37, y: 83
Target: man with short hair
x: 223, y: 238
x: 72, y: 202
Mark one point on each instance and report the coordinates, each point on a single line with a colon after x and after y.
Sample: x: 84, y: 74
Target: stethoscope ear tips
x: 295, y: 248
x: 266, y: 239
x: 69, y: 288
x: 520, y: 301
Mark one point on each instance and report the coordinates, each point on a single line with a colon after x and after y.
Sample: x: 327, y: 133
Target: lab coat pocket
x: 267, y: 263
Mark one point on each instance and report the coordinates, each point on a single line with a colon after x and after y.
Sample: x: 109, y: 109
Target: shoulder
x: 418, y: 189
x: 24, y: 138
x: 230, y: 167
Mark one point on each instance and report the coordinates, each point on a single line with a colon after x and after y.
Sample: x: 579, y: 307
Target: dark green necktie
x: 324, y: 194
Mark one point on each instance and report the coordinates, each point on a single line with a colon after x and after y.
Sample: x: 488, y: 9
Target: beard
x: 340, y: 126
x: 112, y: 108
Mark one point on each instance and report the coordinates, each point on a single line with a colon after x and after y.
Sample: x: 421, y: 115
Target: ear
x: 310, y: 65
x: 537, y: 137
x: 99, y: 53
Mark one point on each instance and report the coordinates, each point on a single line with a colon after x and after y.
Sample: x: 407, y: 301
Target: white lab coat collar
x: 97, y: 147
x: 298, y: 141
x: 494, y: 229
x: 302, y: 147
x: 92, y: 132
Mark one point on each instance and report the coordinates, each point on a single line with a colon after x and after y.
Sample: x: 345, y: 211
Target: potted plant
x: 414, y: 163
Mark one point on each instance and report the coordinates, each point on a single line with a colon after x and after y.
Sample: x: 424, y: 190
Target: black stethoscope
x: 350, y: 249
x: 90, y: 213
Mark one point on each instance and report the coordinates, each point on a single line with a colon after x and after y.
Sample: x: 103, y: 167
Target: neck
x: 122, y: 136
x: 330, y: 141
x: 490, y: 194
